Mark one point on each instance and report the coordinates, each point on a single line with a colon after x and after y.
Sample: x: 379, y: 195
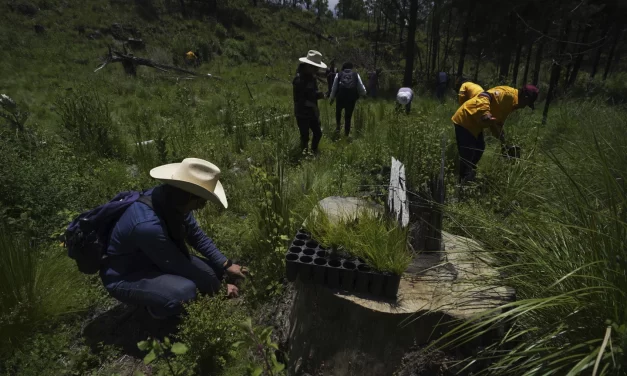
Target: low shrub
x: 86, y: 118
x: 210, y: 329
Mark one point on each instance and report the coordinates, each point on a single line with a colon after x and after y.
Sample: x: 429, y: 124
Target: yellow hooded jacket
x: 504, y: 102
x: 470, y: 113
x: 467, y: 91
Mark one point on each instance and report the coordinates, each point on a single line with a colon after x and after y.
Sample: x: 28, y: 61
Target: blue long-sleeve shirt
x: 140, y: 241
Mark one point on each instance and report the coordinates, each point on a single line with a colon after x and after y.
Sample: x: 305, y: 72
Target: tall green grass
x: 34, y: 289
x: 379, y: 240
x: 562, y: 247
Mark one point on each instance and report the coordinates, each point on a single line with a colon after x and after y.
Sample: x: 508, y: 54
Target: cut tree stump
x: 334, y: 332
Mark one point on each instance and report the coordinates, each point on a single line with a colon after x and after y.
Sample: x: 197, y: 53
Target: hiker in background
x: 468, y: 90
x: 347, y: 88
x: 306, y: 96
x: 373, y: 82
x: 403, y: 99
x: 198, y: 59
x: 191, y: 58
x: 147, y: 262
x: 442, y: 83
x: 330, y: 76
x: 489, y: 109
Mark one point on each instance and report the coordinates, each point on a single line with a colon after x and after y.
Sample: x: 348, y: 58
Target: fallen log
x: 131, y: 62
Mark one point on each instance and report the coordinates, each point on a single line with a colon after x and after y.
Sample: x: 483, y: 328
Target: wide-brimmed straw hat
x: 313, y: 58
x: 195, y: 176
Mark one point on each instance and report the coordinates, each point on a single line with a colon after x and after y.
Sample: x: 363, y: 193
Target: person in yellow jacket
x: 468, y: 90
x: 191, y: 58
x: 489, y: 109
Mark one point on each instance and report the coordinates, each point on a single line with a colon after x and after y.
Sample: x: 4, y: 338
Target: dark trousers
x: 304, y: 125
x: 440, y: 91
x: 165, y: 293
x: 470, y: 150
x: 349, y: 107
x: 399, y: 107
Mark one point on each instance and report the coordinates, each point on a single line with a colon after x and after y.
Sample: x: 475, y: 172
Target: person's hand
x: 237, y: 271
x: 488, y: 117
x: 232, y: 291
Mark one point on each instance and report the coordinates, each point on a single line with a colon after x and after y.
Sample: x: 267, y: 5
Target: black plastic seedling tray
x: 312, y: 263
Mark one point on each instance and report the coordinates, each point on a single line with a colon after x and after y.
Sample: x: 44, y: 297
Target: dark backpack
x: 87, y: 237
x: 347, y: 85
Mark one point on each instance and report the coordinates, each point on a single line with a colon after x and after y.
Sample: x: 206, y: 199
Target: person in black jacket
x: 347, y: 88
x: 306, y: 96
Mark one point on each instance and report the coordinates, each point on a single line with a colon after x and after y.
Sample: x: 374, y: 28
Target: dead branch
x: 131, y: 63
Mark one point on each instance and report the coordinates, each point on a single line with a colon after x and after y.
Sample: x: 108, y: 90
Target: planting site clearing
x: 315, y: 188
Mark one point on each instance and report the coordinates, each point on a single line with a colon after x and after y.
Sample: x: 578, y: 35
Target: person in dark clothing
x: 347, y: 87
x: 306, y: 96
x: 442, y: 83
x: 330, y: 75
x: 147, y: 262
x: 373, y: 83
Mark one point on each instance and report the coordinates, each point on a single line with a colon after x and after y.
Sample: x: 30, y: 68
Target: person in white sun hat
x: 306, y: 96
x: 148, y: 263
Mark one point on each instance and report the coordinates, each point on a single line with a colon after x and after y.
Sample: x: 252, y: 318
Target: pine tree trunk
x: 599, y: 51
x: 556, y: 70
x: 506, y: 49
x: 516, y: 64
x: 376, y: 42
x: 411, y: 42
x: 529, y: 51
x: 579, y: 59
x: 611, y: 55
x: 435, y: 37
x: 183, y: 10
x: 538, y: 64
x: 448, y: 37
x: 465, y: 36
x: 476, y: 78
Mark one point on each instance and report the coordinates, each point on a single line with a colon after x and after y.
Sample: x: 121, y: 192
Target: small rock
x: 95, y: 35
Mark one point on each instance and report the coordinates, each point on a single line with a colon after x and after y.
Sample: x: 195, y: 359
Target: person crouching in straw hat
x: 306, y: 96
x: 148, y: 263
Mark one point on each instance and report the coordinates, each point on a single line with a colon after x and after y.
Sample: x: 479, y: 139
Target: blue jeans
x: 165, y: 293
x: 470, y: 150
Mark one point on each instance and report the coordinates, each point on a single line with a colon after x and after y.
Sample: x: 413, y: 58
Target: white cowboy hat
x: 313, y: 58
x: 195, y: 176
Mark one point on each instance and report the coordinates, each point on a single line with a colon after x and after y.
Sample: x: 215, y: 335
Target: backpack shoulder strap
x: 146, y: 200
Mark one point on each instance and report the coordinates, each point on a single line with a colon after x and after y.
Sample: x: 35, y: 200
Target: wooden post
x: 397, y: 196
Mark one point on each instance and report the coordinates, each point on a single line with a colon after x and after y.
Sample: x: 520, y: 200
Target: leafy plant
x: 275, y: 224
x: 258, y: 343
x: 10, y: 111
x: 163, y: 350
x: 209, y: 329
